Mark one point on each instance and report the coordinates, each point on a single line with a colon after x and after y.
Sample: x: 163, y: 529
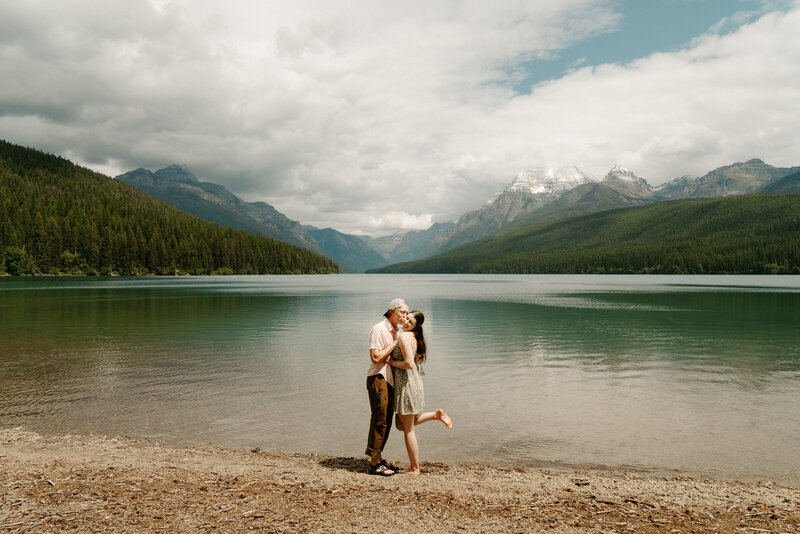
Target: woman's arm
x: 379, y: 355
x: 406, y: 340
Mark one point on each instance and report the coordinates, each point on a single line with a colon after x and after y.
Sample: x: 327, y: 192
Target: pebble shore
x: 78, y: 483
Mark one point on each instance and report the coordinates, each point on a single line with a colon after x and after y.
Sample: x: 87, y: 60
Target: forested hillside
x: 788, y: 184
x: 56, y: 217
x: 737, y: 234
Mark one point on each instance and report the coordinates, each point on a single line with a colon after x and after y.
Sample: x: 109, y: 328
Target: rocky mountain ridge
x: 735, y: 179
x: 551, y: 194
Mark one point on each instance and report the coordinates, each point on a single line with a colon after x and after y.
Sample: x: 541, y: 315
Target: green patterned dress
x: 409, y: 397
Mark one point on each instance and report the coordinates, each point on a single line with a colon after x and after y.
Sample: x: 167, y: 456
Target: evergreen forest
x: 59, y: 218
x: 744, y: 234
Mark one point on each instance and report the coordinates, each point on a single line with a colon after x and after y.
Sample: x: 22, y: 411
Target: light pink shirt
x: 381, y: 335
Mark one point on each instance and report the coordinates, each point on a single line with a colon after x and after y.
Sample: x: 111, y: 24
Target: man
x: 382, y: 340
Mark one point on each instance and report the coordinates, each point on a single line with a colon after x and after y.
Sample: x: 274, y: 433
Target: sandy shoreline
x: 96, y: 484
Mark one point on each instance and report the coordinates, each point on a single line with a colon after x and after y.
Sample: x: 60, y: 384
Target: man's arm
x: 381, y: 355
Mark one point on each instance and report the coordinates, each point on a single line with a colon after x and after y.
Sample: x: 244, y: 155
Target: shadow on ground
x: 361, y: 465
x: 354, y: 465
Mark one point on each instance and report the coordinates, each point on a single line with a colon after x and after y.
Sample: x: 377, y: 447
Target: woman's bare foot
x: 414, y: 473
x: 444, y: 418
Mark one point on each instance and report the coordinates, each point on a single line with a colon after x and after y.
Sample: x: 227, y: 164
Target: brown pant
x: 381, y: 402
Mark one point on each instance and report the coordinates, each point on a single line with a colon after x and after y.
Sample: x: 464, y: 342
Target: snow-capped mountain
x: 627, y: 183
x: 550, y: 181
x: 621, y: 173
x: 527, y: 192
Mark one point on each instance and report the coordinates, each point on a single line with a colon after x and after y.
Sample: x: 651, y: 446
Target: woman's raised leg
x: 438, y: 415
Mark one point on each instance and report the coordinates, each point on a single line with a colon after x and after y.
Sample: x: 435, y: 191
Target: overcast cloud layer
x: 372, y: 116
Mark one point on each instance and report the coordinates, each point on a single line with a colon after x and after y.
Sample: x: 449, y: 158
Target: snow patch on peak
x: 622, y: 173
x: 549, y: 181
x: 545, y: 181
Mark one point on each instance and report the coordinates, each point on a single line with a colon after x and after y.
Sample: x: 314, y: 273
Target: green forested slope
x: 737, y: 234
x: 788, y: 184
x: 56, y: 217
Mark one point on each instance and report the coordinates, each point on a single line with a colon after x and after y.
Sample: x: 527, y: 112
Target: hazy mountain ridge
x: 348, y: 250
x: 408, y: 244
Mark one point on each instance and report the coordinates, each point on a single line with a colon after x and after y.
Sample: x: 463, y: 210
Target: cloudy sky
x: 370, y: 116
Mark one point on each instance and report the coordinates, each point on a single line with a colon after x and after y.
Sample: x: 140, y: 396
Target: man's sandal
x: 390, y: 466
x: 381, y: 470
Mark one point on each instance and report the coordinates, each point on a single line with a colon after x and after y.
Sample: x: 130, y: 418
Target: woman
x: 407, y: 359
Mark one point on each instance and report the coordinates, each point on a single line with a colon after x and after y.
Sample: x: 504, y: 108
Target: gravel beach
x: 78, y: 483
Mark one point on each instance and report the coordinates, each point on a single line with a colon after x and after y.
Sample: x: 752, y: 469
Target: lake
x: 694, y: 375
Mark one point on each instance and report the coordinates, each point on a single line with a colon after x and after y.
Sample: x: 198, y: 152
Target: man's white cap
x: 397, y: 303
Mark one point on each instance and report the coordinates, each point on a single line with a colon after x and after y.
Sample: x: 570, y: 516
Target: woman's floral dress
x: 409, y: 397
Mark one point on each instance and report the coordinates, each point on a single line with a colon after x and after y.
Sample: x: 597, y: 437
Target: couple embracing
x: 397, y: 351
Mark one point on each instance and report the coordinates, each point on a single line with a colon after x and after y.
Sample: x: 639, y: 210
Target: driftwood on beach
x: 94, y: 484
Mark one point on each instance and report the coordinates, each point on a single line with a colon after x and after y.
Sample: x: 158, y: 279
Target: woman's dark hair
x: 422, y: 349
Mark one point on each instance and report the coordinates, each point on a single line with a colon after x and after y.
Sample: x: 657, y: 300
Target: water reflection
x: 685, y: 373
x: 752, y: 333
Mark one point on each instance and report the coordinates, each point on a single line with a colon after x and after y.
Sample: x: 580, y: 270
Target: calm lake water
x: 671, y: 374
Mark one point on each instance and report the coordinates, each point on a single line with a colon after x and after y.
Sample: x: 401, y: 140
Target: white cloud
x: 371, y: 116
x: 728, y: 98
x: 387, y: 223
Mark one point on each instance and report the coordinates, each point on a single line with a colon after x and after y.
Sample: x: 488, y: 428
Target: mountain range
x: 536, y: 196
x: 548, y: 195
x: 752, y: 233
